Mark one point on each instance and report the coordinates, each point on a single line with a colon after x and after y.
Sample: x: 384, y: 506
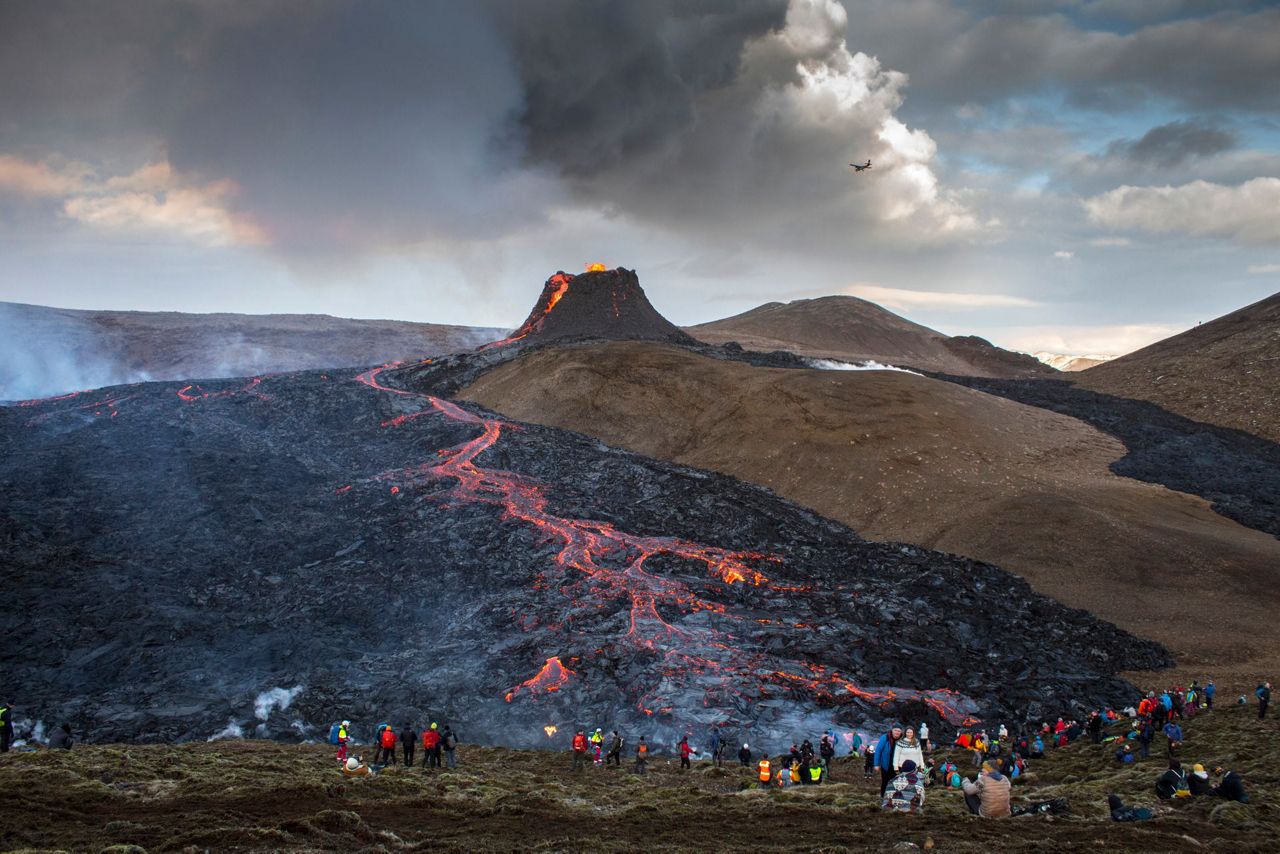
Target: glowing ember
x: 192, y: 393
x: 550, y: 730
x: 595, y: 268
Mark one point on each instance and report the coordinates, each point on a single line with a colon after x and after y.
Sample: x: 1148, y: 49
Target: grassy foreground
x: 263, y: 796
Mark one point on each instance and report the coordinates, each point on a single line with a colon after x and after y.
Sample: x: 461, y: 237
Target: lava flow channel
x: 552, y: 293
x: 607, y: 564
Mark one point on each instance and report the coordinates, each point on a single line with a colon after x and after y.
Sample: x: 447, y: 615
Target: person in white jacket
x: 924, y: 736
x: 908, y: 747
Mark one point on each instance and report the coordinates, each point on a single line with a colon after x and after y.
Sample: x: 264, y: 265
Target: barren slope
x: 901, y: 457
x: 1224, y: 372
x: 844, y: 327
x: 54, y: 350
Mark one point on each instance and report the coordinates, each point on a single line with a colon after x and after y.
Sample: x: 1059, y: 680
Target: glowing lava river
x: 267, y: 555
x: 610, y: 563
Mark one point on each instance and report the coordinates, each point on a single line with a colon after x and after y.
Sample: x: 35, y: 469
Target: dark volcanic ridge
x: 266, y: 556
x: 598, y: 304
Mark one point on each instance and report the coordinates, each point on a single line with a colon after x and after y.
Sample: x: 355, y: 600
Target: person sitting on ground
x: 1037, y: 748
x: 61, y: 738
x: 355, y: 767
x: 1124, y: 755
x: 908, y: 748
x: 905, y: 792
x: 1199, y: 782
x: 1120, y: 812
x: 987, y: 794
x: 1172, y: 783
x: 1230, y: 786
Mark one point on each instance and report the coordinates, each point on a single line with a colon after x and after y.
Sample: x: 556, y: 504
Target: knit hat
x: 1198, y: 768
x: 908, y: 766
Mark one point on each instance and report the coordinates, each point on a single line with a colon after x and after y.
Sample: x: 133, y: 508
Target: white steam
x: 869, y: 365
x: 274, y: 698
x: 232, y: 730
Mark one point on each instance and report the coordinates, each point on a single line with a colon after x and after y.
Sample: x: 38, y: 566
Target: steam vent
x: 596, y: 304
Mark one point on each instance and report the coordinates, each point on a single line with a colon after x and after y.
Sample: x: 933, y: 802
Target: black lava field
x: 272, y: 554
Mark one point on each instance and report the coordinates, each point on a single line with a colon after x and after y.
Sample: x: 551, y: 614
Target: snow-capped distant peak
x: 1072, y: 362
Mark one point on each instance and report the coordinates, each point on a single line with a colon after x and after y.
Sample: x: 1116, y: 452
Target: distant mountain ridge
x: 1069, y: 363
x: 1224, y: 372
x: 853, y: 329
x: 46, y: 351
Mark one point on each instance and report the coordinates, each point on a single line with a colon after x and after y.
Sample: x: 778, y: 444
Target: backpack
x: 333, y: 733
x: 642, y: 750
x: 388, y: 738
x: 450, y: 742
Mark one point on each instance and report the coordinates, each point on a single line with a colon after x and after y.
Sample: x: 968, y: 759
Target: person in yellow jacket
x: 344, y: 736
x: 763, y: 773
x: 597, y: 744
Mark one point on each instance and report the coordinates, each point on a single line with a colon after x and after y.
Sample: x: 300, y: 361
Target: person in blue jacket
x: 1264, y: 697
x: 883, y: 758
x: 1173, y: 732
x: 1209, y: 690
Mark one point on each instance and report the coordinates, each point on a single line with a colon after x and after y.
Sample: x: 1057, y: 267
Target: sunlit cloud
x: 902, y: 298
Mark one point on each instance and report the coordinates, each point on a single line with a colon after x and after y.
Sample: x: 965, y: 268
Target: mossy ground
x: 251, y: 795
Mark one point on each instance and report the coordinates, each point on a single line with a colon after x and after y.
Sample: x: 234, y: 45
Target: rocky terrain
x: 901, y: 457
x: 263, y: 796
x: 852, y: 329
x: 49, y: 351
x: 266, y: 555
x: 1225, y: 372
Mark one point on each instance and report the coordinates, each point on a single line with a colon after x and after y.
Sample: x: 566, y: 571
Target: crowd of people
x: 439, y: 747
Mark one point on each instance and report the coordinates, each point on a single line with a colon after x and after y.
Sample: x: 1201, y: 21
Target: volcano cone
x: 605, y: 304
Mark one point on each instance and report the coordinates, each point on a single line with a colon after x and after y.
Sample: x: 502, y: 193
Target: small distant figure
x: 579, y: 751
x: 6, y: 727
x: 449, y: 741
x: 61, y: 738
x: 763, y: 774
x: 431, y: 747
x: 1199, y: 781
x: 1264, y: 698
x: 341, y: 736
x: 386, y: 753
x: 409, y: 742
x: 863, y: 168
x: 685, y: 751
x: 642, y: 755
x: 1209, y: 690
x: 597, y: 747
x: 716, y: 747
x: 615, y: 750
x: 924, y: 736
x: 744, y: 755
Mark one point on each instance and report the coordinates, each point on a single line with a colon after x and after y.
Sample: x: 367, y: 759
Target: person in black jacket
x: 744, y: 756
x: 409, y: 738
x: 61, y: 738
x: 1230, y: 786
x: 1095, y: 728
x: 1171, y: 781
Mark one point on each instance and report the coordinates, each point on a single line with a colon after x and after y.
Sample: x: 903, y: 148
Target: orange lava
x: 595, y: 268
x: 551, y: 678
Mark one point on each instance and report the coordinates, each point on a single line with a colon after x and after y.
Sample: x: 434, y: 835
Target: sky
x: 1082, y: 176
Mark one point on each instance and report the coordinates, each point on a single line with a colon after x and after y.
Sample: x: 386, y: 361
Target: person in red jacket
x: 431, y: 747
x: 579, y: 751
x: 387, y: 746
x: 685, y: 750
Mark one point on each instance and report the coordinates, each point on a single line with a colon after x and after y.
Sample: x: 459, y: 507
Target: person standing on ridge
x: 579, y: 751
x: 1264, y: 697
x: 431, y: 747
x: 642, y: 755
x: 685, y: 750
x: 597, y: 746
x: 763, y: 774
x: 1095, y: 728
x: 744, y: 755
x: 408, y: 741
x: 615, y: 750
x: 449, y: 741
x: 716, y: 746
x: 387, y: 746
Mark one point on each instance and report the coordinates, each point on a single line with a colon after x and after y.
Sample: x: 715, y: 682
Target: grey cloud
x: 1172, y: 144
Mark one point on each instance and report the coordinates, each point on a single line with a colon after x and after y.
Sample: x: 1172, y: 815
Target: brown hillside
x: 905, y: 458
x: 852, y: 329
x: 1224, y: 372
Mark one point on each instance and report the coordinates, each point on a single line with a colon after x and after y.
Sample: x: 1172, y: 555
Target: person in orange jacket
x: 579, y: 751
x: 387, y: 746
